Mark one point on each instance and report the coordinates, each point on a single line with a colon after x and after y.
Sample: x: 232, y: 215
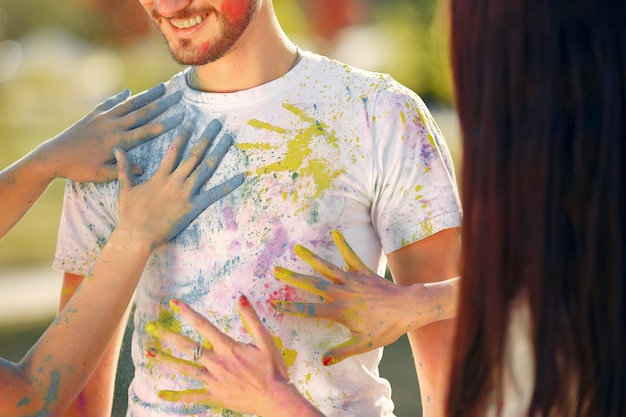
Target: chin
x: 185, y: 55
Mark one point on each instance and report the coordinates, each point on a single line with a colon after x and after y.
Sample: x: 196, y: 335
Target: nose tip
x: 169, y: 8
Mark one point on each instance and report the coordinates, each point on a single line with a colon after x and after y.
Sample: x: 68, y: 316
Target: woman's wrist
x: 131, y: 240
x: 431, y: 302
x: 41, y: 161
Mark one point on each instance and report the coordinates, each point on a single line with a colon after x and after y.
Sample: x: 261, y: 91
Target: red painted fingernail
x: 329, y: 360
x: 175, y: 302
x: 151, y: 353
x: 243, y: 301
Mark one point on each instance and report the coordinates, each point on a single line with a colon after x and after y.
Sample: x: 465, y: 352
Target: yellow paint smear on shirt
x: 300, y: 145
x: 289, y: 354
x: 418, y: 188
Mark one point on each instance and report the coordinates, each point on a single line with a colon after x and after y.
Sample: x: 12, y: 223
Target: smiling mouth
x: 187, y: 23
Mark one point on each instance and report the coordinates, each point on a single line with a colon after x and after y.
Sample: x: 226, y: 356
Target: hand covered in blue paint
x: 83, y: 152
x: 162, y: 207
x: 246, y: 378
x: 374, y: 309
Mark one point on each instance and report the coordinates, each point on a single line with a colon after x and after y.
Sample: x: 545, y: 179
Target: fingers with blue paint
x: 197, y: 168
x: 152, y: 110
x: 143, y: 98
x: 204, y: 199
x: 83, y: 152
x: 212, y: 160
x: 198, y: 152
x: 113, y: 101
x: 179, y: 181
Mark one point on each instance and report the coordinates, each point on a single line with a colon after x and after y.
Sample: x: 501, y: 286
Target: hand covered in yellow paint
x: 375, y: 310
x: 246, y: 378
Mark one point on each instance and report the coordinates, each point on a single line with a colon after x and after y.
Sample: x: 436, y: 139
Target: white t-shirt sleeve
x: 415, y: 193
x: 88, y: 218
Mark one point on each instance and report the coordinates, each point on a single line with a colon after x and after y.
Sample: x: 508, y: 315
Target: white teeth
x: 187, y: 23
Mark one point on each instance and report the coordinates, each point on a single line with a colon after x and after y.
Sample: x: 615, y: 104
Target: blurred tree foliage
x: 420, y: 32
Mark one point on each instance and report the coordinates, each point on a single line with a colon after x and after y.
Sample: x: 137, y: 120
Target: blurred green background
x: 59, y: 59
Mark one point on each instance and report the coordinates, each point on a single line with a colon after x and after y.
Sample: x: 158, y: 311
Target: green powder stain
x: 101, y: 241
x: 169, y: 320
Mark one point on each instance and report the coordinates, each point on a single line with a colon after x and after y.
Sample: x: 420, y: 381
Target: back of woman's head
x: 541, y: 96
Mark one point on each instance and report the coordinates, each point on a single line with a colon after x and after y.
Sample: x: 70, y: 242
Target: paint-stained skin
x: 324, y: 147
x: 235, y: 9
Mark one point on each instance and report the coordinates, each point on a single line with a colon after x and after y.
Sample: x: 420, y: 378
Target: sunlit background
x: 58, y: 59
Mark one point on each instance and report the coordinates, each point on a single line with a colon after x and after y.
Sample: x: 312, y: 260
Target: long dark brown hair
x: 541, y: 96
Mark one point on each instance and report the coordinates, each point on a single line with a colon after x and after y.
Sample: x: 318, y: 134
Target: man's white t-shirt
x: 326, y: 146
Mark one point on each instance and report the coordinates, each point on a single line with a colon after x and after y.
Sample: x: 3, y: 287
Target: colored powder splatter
x: 169, y: 320
x: 229, y: 219
x: 300, y: 146
x: 235, y: 9
x: 24, y: 401
x: 288, y: 354
x: 52, y: 394
x: 204, y: 47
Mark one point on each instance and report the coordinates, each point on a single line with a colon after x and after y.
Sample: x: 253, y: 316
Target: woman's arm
x: 51, y: 374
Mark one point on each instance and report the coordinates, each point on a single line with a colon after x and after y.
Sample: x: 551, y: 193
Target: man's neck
x: 227, y: 76
x: 262, y: 54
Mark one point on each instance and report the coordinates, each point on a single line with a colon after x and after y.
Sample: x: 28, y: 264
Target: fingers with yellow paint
x: 309, y: 283
x: 356, y: 345
x: 373, y: 308
x: 327, y: 269
x: 179, y: 365
x: 188, y: 396
x: 352, y: 259
x: 249, y: 378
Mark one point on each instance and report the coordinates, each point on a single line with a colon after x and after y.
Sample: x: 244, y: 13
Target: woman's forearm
x: 68, y: 352
x: 21, y: 185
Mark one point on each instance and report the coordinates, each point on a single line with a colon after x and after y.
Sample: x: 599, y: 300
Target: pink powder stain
x: 204, y: 47
x: 235, y: 9
x: 274, y: 248
x: 229, y: 219
x: 234, y: 246
x: 285, y: 293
